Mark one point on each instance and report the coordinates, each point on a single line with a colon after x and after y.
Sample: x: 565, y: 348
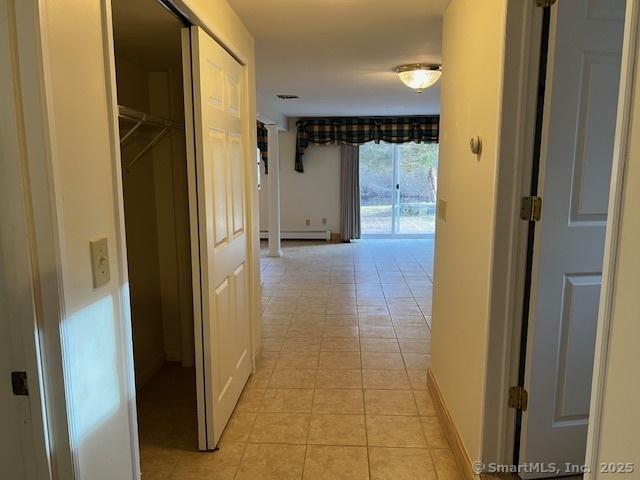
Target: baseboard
x: 300, y: 235
x: 457, y: 446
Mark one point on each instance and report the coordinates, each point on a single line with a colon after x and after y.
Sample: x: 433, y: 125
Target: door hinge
x: 19, y: 383
x: 531, y: 209
x: 545, y: 3
x: 518, y: 398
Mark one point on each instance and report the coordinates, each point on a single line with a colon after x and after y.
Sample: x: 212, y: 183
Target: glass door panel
x: 417, y: 166
x: 377, y: 189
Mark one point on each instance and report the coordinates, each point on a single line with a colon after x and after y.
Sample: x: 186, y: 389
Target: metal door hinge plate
x: 19, y: 383
x: 531, y: 209
x: 545, y: 3
x: 518, y: 398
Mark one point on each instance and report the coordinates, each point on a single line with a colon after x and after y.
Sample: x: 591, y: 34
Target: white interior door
x: 580, y: 113
x: 223, y: 345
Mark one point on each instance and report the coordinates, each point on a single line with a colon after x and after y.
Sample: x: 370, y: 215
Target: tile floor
x: 340, y: 392
x: 341, y: 389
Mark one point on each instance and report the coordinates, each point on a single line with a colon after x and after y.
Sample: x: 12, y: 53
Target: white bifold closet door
x: 219, y: 233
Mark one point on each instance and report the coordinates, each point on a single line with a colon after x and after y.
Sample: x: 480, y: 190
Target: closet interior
x: 148, y: 57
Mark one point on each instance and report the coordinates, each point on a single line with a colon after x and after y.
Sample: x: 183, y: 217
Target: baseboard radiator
x: 300, y: 235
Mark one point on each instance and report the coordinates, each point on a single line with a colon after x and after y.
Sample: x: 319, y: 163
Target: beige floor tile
x: 338, y: 401
x: 373, y: 310
x: 238, y: 427
x: 414, y: 345
x: 267, y: 360
x: 426, y: 407
x: 445, y: 464
x: 340, y: 331
x: 416, y: 361
x: 287, y: 400
x: 436, y: 438
x: 404, y: 310
x: 379, y: 345
x: 336, y: 463
x: 250, y: 400
x: 274, y: 331
x: 375, y: 320
x: 334, y: 378
x: 341, y: 309
x: 280, y: 428
x: 385, y: 379
x: 395, y: 431
x: 272, y: 344
x: 390, y: 402
x: 382, y: 361
x: 419, y: 332
x: 293, y: 378
x: 401, y: 464
x: 370, y: 300
x: 340, y: 360
x: 272, y: 462
x: 301, y: 345
x: 408, y: 320
x: 418, y: 379
x: 317, y: 308
x: 337, y: 430
x: 341, y: 320
x: 298, y: 360
x: 276, y: 319
x: 304, y: 331
x: 340, y: 345
x: 260, y: 379
x: 219, y: 465
x: 368, y: 331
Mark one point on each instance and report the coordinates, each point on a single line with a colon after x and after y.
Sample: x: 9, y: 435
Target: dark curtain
x: 263, y: 145
x: 349, y: 192
x: 359, y: 130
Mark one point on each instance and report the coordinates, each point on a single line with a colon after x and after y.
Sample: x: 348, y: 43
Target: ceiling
x: 146, y: 34
x: 339, y: 55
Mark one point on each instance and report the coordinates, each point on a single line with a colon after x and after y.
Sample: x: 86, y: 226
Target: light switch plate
x: 100, y: 262
x: 442, y: 209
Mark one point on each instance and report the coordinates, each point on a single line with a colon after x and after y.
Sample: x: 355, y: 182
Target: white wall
x: 313, y: 195
x: 157, y: 224
x: 473, y: 45
x: 620, y: 421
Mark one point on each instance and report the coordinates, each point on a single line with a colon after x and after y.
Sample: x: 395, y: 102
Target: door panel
x: 580, y: 110
x: 218, y: 89
x: 377, y: 189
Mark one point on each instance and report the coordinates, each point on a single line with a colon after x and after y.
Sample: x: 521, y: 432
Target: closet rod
x: 137, y: 116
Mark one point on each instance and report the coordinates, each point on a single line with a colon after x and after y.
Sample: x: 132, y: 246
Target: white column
x: 275, y: 249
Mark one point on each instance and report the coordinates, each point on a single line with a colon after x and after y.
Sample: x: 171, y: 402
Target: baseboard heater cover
x: 300, y: 235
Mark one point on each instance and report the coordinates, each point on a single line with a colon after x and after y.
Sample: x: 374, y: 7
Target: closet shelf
x: 142, y: 119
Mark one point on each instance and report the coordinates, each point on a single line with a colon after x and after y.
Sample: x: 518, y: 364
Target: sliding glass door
x: 398, y: 189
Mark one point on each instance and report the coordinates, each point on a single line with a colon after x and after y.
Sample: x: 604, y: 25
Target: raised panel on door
x: 577, y: 152
x: 218, y: 89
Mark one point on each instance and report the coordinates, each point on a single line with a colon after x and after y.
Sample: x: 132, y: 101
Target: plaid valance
x: 263, y: 145
x: 358, y: 130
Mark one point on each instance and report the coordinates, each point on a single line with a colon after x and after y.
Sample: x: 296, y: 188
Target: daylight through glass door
x: 398, y: 189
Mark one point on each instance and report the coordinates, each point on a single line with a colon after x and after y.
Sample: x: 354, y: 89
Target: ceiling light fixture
x: 419, y: 76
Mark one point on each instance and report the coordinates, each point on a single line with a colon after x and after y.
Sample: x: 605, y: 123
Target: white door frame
x: 251, y: 195
x: 518, y: 121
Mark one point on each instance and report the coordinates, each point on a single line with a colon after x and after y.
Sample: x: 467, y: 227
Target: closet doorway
x: 147, y: 42
x: 182, y: 123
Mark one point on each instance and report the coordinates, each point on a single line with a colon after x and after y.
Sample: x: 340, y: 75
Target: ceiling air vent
x: 288, y: 97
